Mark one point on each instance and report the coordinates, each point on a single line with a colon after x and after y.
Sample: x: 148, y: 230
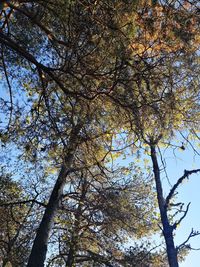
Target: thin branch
x: 184, y: 215
x: 180, y: 180
x: 22, y: 202
x: 184, y: 244
x: 9, y: 86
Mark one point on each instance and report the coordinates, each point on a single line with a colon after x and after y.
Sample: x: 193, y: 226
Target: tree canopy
x: 90, y: 85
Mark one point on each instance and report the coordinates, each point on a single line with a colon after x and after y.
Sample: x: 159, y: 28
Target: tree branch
x: 184, y: 244
x: 180, y: 180
x: 184, y: 215
x: 22, y: 202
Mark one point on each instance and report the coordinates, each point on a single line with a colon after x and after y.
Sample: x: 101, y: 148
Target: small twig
x: 164, y: 166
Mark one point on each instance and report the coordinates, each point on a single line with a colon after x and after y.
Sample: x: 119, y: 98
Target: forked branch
x: 193, y: 233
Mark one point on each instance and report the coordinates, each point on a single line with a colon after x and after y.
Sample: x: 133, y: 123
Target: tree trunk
x: 167, y: 228
x: 171, y: 250
x: 39, y: 249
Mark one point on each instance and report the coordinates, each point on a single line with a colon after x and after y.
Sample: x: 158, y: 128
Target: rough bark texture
x: 39, y: 249
x: 167, y: 228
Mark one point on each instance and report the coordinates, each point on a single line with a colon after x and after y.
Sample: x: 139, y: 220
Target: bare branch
x: 180, y: 180
x: 184, y: 244
x: 184, y: 215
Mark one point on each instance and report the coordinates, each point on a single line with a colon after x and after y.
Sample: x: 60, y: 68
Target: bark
x: 167, y: 228
x: 39, y: 249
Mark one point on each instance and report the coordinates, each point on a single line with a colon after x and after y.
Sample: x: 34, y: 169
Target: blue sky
x: 189, y: 191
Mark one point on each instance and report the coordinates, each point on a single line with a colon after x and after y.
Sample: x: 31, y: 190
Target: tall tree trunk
x: 39, y: 249
x: 167, y: 228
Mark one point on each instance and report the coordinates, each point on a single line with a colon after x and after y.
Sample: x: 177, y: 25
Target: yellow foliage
x: 51, y: 170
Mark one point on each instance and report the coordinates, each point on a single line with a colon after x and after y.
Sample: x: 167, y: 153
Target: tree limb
x: 180, y: 180
x: 22, y: 202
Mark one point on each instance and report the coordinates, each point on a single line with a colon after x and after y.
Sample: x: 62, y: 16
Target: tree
x: 159, y: 101
x: 48, y: 76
